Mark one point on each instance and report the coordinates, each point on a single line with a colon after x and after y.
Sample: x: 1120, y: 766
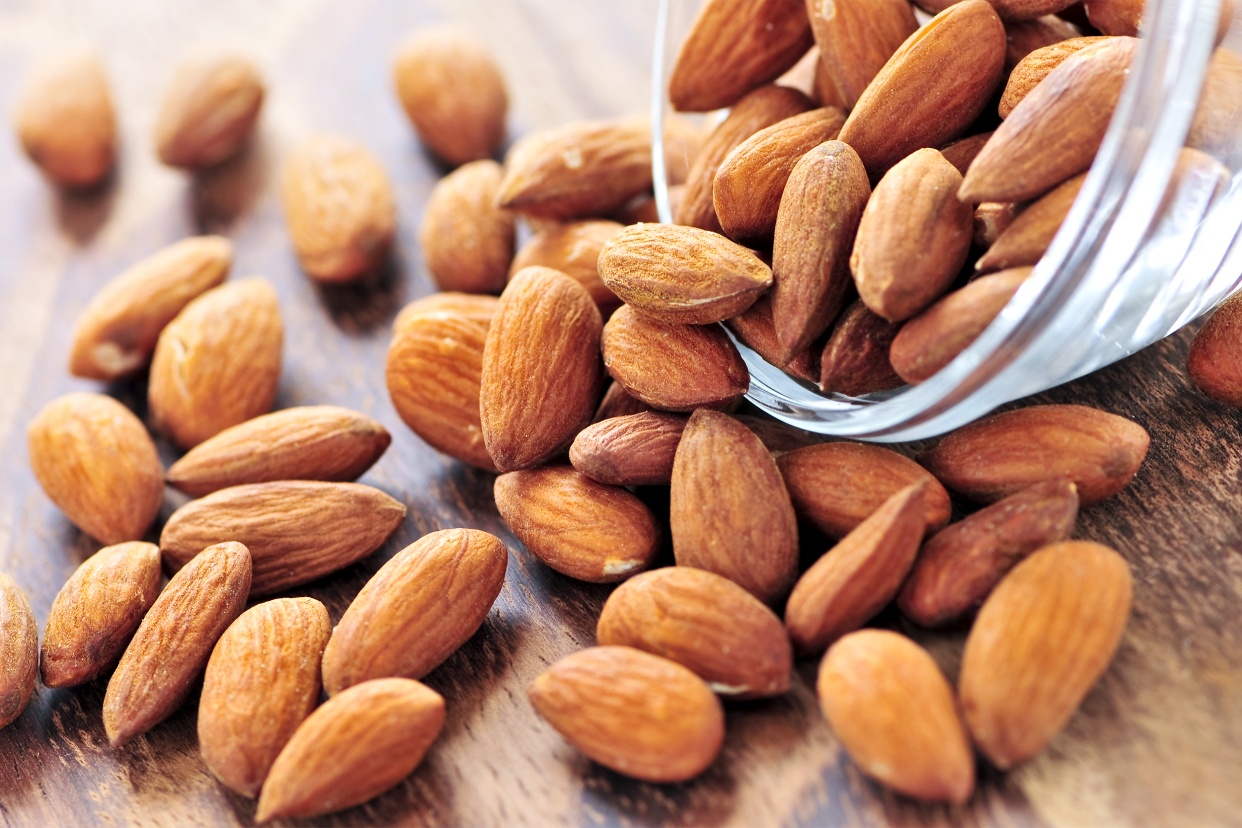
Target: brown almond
x: 634, y: 450
x: 96, y: 462
x: 467, y: 240
x: 729, y: 512
x: 115, y: 335
x: 992, y: 219
x: 195, y: 608
x: 1035, y: 66
x: 855, y: 358
x: 357, y: 745
x: 209, y: 111
x: 97, y: 611
x: 1026, y: 36
x: 756, y: 329
x: 296, y: 530
x: 1115, y: 17
x: 961, y: 153
x: 65, y: 120
x: 618, y: 402
x: 19, y: 650
x: 1001, y: 454
x: 314, y: 442
x: 1026, y: 240
x: 217, y: 364
x: 896, y: 715
x: 474, y: 307
x: 1212, y: 362
x: 580, y: 528
x: 837, y: 486
x: 856, y: 38
x: 1029, y: 9
x: 1218, y: 116
x: 262, y: 681
x: 339, y: 208
x: 633, y: 712
x: 1042, y: 639
x: 705, y: 622
x: 573, y: 248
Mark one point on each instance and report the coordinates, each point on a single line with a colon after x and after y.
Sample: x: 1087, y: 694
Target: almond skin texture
x: 854, y: 580
x: 961, y: 153
x: 959, y: 565
x: 541, y: 368
x: 1033, y: 68
x: 673, y: 367
x: 580, y: 528
x: 756, y: 329
x: 634, y: 450
x: 96, y: 462
x: 339, y: 208
x: 19, y: 650
x: 837, y: 486
x: 453, y: 94
x: 1026, y: 240
x: 856, y: 38
x: 1029, y: 9
x: 297, y: 530
x: 999, y: 455
x: 729, y: 512
x: 1026, y: 36
x: 65, y: 120
x: 473, y: 307
x: 209, y: 111
x: 262, y: 680
x: 97, y: 611
x: 732, y: 49
x: 1213, y: 361
x: 314, y: 442
x: 1042, y: 639
x: 636, y: 713
x: 704, y: 622
x: 682, y: 275
x: 466, y: 239
x: 855, y: 358
x: 175, y: 639
x: 896, y: 715
x: 573, y: 248
x: 423, y: 604
x: 618, y: 402
x: 357, y: 745
x: 992, y: 218
x: 931, y: 89
x: 116, y: 333
x: 218, y: 363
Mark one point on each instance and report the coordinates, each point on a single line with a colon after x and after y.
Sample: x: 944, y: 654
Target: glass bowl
x: 1127, y: 268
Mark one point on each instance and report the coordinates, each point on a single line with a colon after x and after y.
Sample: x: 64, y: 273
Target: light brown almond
x: 618, y: 402
x: 1026, y: 240
x: 634, y: 450
x: 1212, y: 362
x: 756, y: 329
x: 856, y: 38
x: 573, y: 248
x: 467, y: 240
x: 1029, y: 9
x: 1035, y: 66
x: 19, y: 650
x: 961, y: 153
x: 65, y: 120
x: 209, y: 111
x: 855, y: 358
x: 1115, y: 17
x: 474, y: 307
x: 1218, y: 117
x: 1026, y: 36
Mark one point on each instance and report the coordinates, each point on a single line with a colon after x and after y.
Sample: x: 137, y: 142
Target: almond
x: 1212, y: 362
x: 209, y: 111
x: 65, y: 120
x: 473, y: 307
x: 1026, y: 240
x: 961, y: 153
x: 217, y: 364
x: 453, y: 93
x: 705, y: 622
x: 756, y: 329
x: 896, y: 715
x: 729, y: 512
x: 19, y: 650
x: 541, y: 368
x: 1042, y: 639
x: 682, y: 275
x: 1116, y: 17
x: 855, y: 358
x: 1029, y: 9
x: 633, y: 712
x: 261, y: 681
x: 1004, y: 453
x: 856, y: 38
x: 992, y: 219
x: 618, y: 402
x: 97, y: 611
x: 195, y: 608
x: 116, y: 333
x: 1026, y: 36
x: 573, y: 248
x: 1215, y: 125
x: 466, y: 239
x: 96, y: 462
x: 314, y: 442
x: 339, y: 208
x: 634, y: 450
x: 580, y: 528
x: 1034, y: 67
x: 357, y: 745
x: 423, y: 604
x: 296, y: 530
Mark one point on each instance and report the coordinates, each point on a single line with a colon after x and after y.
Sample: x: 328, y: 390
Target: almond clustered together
x: 859, y: 231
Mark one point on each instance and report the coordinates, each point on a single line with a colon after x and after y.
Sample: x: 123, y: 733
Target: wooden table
x: 1157, y: 742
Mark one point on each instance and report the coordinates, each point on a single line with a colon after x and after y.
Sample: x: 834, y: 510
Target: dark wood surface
x: 1157, y: 742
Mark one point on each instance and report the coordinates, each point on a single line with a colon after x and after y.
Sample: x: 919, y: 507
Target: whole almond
x: 217, y: 364
x: 1212, y: 362
x: 1001, y: 454
x: 153, y: 678
x: 618, y: 402
x: 209, y: 111
x: 682, y: 275
x: 453, y: 93
x: 855, y: 579
x: 116, y: 334
x: 1042, y: 639
x: 1026, y: 36
x: 474, y: 307
x: 19, y: 650
x: 357, y: 745
x: 573, y: 248
x: 855, y: 358
x: 97, y: 611
x: 541, y: 368
x: 580, y: 528
x: 96, y: 462
x: 1033, y: 68
x: 729, y: 512
x: 423, y: 604
x: 1026, y: 240
x: 261, y: 681
x: 633, y: 712
x: 1116, y: 17
x: 837, y: 486
x: 339, y: 208
x: 314, y: 442
x: 467, y: 240
x: 856, y: 38
x: 896, y: 715
x: 296, y: 530
x: 634, y: 450
x: 705, y: 622
x: 65, y: 120
x: 756, y: 329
